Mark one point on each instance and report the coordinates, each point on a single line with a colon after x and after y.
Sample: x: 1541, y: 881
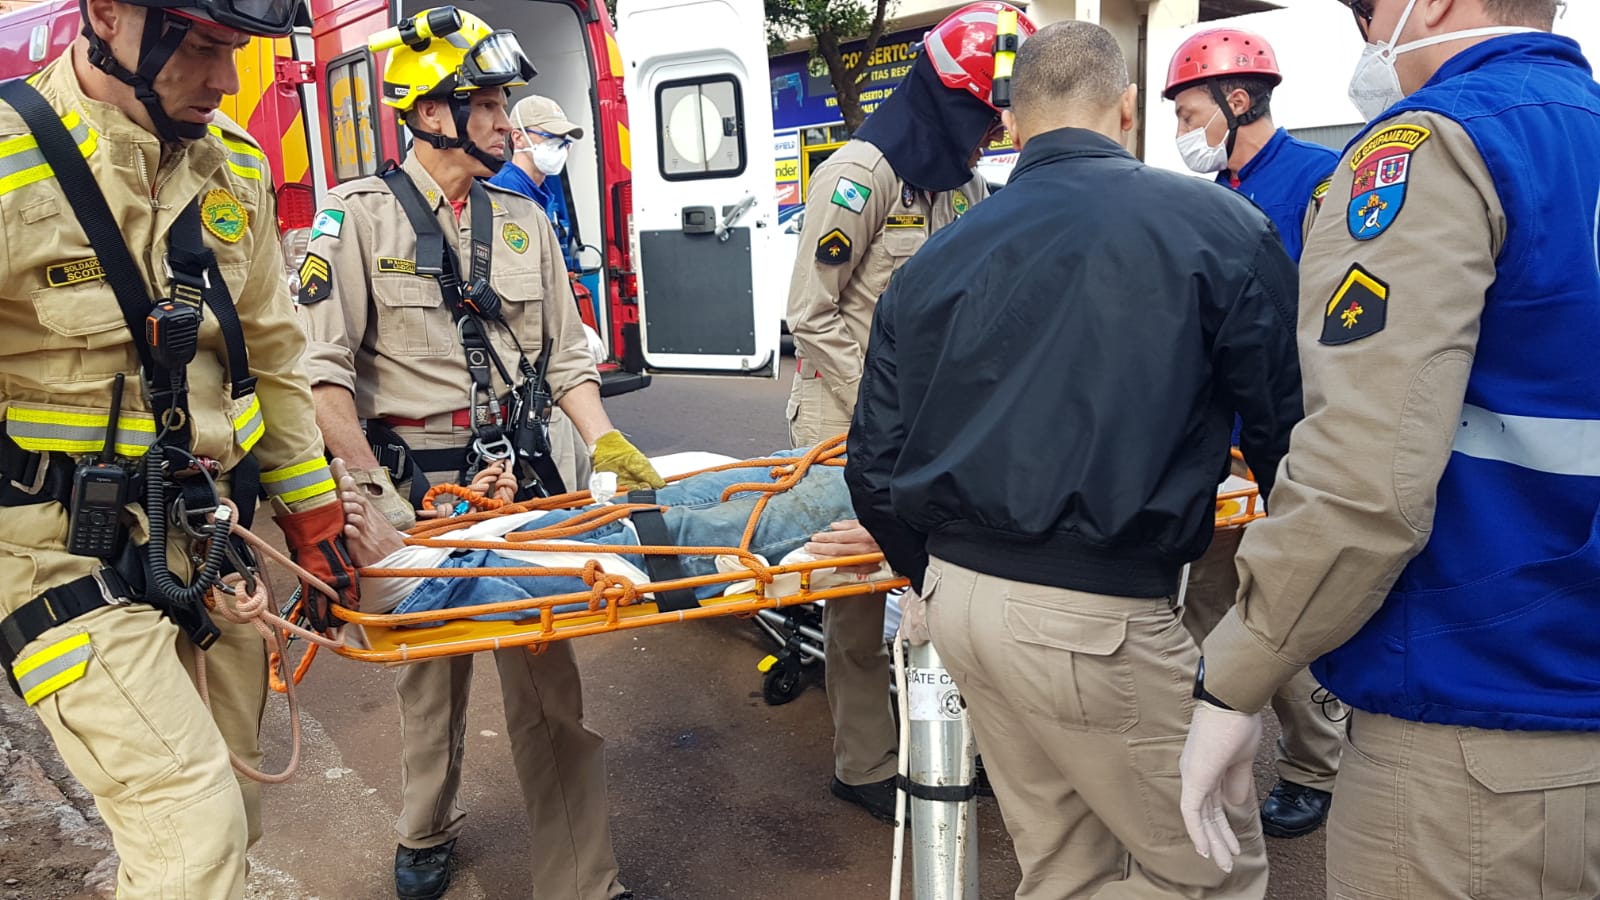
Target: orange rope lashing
x: 473, y: 498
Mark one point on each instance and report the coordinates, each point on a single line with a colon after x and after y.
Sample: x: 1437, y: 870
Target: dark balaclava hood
x: 928, y: 131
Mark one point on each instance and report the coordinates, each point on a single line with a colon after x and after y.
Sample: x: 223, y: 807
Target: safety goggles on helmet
x: 262, y: 18
x: 497, y: 61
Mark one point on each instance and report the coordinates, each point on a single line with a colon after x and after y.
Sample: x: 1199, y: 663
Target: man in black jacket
x: 1044, y: 417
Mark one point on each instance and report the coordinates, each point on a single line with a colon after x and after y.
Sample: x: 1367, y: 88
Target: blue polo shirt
x: 1281, y: 180
x: 550, y: 198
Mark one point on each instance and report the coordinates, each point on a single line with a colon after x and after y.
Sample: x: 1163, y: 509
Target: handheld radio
x: 99, y: 492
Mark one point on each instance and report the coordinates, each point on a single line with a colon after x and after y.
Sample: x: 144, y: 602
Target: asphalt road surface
x: 712, y: 792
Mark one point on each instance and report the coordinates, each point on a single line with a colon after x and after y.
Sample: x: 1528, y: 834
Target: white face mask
x: 1200, y: 156
x: 549, y: 156
x: 1375, y: 85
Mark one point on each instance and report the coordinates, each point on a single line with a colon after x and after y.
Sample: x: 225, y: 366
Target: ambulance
x: 311, y: 101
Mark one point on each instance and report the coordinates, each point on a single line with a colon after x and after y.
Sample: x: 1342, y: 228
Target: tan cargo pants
x: 1436, y: 812
x: 1080, y: 704
x: 560, y: 762
x: 857, y: 668
x: 131, y: 727
x: 1308, y: 747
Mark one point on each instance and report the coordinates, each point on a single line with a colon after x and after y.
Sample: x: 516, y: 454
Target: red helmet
x: 961, y: 47
x: 1217, y: 53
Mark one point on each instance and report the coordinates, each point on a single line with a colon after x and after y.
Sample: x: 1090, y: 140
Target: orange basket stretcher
x: 613, y: 601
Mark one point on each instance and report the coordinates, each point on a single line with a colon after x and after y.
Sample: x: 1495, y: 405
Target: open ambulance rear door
x: 705, y: 218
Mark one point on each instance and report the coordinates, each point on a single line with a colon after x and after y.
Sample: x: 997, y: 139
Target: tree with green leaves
x: 833, y: 23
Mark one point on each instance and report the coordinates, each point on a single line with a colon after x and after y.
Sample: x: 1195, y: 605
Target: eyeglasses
x: 534, y: 132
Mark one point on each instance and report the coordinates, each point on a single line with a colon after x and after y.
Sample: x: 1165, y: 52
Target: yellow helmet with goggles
x: 446, y: 54
x: 442, y: 52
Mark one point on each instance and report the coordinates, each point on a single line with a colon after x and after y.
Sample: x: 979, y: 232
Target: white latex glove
x: 1216, y: 769
x: 597, y: 347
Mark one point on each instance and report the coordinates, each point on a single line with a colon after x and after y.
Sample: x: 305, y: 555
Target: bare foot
x: 367, y: 535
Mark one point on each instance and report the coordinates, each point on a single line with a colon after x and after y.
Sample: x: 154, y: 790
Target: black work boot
x: 422, y: 874
x: 1294, y: 810
x: 876, y: 797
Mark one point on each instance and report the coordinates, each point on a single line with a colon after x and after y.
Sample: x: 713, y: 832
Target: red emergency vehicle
x: 311, y: 101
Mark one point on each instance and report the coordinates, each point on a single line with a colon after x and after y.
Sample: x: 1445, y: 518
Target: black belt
x: 652, y: 528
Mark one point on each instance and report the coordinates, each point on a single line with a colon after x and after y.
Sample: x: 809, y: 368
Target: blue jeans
x: 695, y: 517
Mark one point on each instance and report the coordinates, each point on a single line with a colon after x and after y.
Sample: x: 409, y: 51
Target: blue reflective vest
x: 1280, y: 180
x: 1496, y: 623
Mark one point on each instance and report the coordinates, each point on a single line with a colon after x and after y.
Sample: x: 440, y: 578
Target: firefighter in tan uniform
x: 1433, y: 545
x: 871, y: 205
x: 387, y: 347
x: 103, y: 646
x: 862, y: 223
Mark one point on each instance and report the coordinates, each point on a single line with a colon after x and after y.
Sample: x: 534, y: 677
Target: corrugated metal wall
x: 1335, y: 136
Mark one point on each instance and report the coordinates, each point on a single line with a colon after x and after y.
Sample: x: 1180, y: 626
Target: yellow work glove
x: 380, y: 492
x: 613, y: 453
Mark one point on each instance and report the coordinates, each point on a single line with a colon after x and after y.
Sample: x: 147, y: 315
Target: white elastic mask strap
x: 1460, y: 36
x: 1207, y: 126
x: 516, y: 122
x: 1202, y: 130
x: 1399, y: 27
x: 1393, y: 49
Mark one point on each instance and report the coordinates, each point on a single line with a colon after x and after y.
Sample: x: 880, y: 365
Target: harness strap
x: 56, y: 606
x: 94, y: 215
x: 436, y: 258
x: 523, y: 436
x: 652, y: 528
x: 27, y: 478
x: 195, y: 263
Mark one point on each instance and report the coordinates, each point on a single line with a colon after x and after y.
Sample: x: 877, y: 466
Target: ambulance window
x: 351, y: 114
x: 701, y: 128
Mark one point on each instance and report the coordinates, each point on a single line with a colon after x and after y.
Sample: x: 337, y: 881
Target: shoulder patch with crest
x: 1382, y: 166
x: 515, y: 237
x: 1358, y: 308
x: 833, y: 249
x: 316, y: 279
x: 959, y: 203
x: 222, y: 215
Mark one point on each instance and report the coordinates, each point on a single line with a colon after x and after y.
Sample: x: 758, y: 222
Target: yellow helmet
x: 442, y: 52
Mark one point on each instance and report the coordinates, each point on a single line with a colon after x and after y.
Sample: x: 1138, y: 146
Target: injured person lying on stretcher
x: 695, y: 515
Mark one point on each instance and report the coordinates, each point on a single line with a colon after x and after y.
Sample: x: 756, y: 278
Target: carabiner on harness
x: 247, y: 568
x: 488, y: 444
